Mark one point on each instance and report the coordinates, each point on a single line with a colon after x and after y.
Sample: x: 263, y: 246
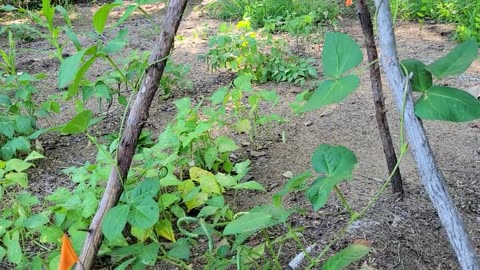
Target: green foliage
x: 465, y: 14
x: 246, y: 117
x: 278, y: 13
x: 340, y: 54
x: 23, y: 31
x: 244, y: 53
x: 18, y: 110
x: 440, y: 102
x: 346, y: 256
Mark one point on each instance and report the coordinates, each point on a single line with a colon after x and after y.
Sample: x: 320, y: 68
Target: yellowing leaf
x: 208, y: 184
x: 164, y: 229
x: 196, y: 173
x: 197, y: 201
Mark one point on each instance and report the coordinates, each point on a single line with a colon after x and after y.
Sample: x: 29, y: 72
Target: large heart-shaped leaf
x: 331, y: 91
x: 114, y: 222
x: 333, y: 160
x: 422, y: 78
x: 144, y: 213
x: 448, y: 104
x: 340, y: 54
x: 456, y: 61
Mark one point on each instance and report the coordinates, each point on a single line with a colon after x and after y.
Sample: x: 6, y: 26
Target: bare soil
x: 405, y: 234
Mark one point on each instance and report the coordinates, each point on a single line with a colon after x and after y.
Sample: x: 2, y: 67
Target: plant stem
x: 343, y: 200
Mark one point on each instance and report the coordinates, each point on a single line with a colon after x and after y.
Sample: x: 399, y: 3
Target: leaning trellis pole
x: 378, y: 100
x: 430, y: 175
x: 135, y: 122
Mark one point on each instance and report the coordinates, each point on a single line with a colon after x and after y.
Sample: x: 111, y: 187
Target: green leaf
x: 69, y: 68
x: 34, y: 155
x: 78, y: 124
x: 243, y: 126
x: 122, y: 100
x: 141, y: 234
x: 17, y: 165
x: 225, y: 144
x: 181, y: 249
x: 346, y: 256
x: 226, y: 180
x: 5, y: 100
x: 219, y: 95
x: 36, y: 221
x: 78, y: 76
x: 183, y: 106
x: 166, y: 200
x: 422, y: 78
x: 243, y: 82
x: 319, y: 190
x: 124, y: 265
x: 455, y: 62
x: 210, y: 156
x: 448, y: 104
x: 340, y: 54
x: 295, y: 183
x: 6, y: 128
x: 144, y: 213
x: 102, y: 91
x: 149, y: 254
x: 64, y: 13
x: 250, y: 222
x: 7, y: 8
x: 250, y: 185
x: 148, y: 187
x: 20, y: 179
x: 4, y: 225
x: 117, y: 44
x: 259, y: 218
x: 333, y: 160
x: 114, y: 222
x: 23, y: 125
x: 133, y: 249
x: 100, y: 17
x: 208, y: 211
x: 12, y: 243
x: 128, y: 11
x: 50, y: 235
x: 242, y: 168
x: 90, y: 203
x: 72, y: 36
x: 329, y: 92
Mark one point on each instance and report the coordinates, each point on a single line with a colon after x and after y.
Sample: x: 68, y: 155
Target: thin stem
x: 270, y: 249
x: 343, y: 200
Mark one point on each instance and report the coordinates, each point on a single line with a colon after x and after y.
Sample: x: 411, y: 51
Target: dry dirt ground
x: 404, y: 234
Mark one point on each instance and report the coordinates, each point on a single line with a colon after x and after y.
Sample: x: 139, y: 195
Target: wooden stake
x: 135, y: 122
x: 430, y: 174
x: 378, y: 99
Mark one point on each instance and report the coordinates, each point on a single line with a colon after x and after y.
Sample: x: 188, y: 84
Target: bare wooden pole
x: 430, y: 174
x: 135, y: 122
x: 378, y: 99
